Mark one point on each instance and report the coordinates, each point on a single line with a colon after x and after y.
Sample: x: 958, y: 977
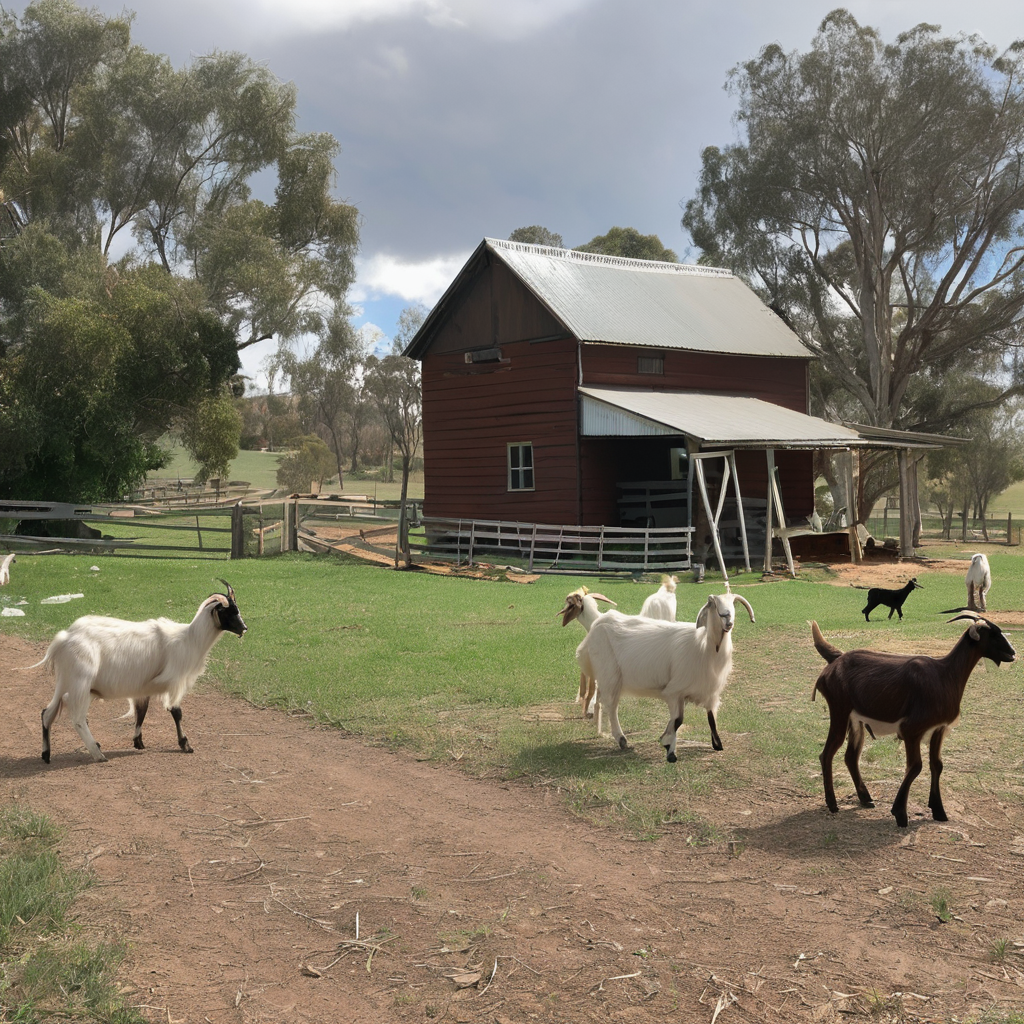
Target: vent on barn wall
x: 484, y: 355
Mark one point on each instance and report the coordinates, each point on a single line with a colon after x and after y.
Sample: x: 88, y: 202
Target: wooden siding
x: 494, y: 308
x: 471, y: 414
x: 772, y: 379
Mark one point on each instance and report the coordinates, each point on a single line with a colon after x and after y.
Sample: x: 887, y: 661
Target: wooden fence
x: 550, y: 548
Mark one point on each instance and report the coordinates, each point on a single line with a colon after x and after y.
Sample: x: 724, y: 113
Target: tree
x: 98, y: 135
x: 312, y: 463
x: 210, y: 435
x: 630, y: 243
x: 876, y: 201
x: 394, y: 385
x: 537, y: 235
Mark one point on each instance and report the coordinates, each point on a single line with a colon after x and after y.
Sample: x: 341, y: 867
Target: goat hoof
x: 902, y: 820
x: 46, y: 756
x: 939, y: 815
x: 622, y: 743
x: 186, y: 747
x: 671, y: 757
x: 138, y: 744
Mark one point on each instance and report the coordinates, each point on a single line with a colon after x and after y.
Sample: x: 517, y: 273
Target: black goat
x: 912, y: 696
x: 892, y: 599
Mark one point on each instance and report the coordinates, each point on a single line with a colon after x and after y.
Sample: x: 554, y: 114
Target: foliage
x: 876, y: 201
x: 94, y: 367
x: 99, y: 138
x: 210, y: 435
x: 313, y: 462
x: 537, y: 235
x: 628, y: 242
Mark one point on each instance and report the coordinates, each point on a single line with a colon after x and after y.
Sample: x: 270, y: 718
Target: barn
x: 562, y: 387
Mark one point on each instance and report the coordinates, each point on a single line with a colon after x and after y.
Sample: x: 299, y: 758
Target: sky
x: 465, y: 119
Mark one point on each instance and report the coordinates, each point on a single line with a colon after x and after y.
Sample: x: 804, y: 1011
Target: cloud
x: 508, y: 20
x: 421, y: 281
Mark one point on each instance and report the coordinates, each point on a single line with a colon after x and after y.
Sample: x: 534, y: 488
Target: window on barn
x: 650, y: 364
x: 520, y: 466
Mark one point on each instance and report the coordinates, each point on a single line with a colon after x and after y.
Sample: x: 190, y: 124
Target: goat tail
x: 823, y: 647
x: 45, y: 663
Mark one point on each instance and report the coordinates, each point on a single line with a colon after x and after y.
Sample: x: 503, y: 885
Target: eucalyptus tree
x: 875, y: 198
x: 630, y: 243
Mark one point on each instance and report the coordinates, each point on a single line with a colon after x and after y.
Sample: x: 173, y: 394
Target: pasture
x: 477, y: 678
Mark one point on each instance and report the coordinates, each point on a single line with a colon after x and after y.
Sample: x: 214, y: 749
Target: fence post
x: 237, y: 531
x: 1009, y: 528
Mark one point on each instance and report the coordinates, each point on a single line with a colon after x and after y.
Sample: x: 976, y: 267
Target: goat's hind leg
x: 854, y: 745
x: 668, y: 737
x: 78, y: 712
x: 834, y: 740
x: 48, y: 714
x: 141, y: 707
x: 182, y: 738
x: 935, y: 764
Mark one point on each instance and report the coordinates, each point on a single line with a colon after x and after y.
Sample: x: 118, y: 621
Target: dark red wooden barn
x: 562, y: 387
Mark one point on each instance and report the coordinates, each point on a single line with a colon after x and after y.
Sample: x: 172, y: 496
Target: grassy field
x: 260, y: 470
x: 482, y: 674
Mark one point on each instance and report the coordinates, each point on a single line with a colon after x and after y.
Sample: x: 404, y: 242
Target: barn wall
x: 772, y: 379
x: 470, y: 415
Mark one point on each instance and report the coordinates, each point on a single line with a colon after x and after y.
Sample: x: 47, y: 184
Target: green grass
x: 47, y: 970
x: 481, y: 674
x: 260, y: 470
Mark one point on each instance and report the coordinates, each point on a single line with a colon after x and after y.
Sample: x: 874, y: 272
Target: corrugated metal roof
x: 649, y: 304
x: 711, y: 419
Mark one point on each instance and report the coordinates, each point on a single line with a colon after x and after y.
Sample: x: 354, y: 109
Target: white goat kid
x: 979, y: 582
x: 662, y: 603
x: 582, y: 605
x: 112, y: 659
x: 677, y: 662
x: 5, y: 569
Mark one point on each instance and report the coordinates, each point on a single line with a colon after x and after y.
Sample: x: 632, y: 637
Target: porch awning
x: 716, y: 420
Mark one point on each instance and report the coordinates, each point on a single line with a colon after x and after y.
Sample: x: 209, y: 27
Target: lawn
x: 259, y: 469
x: 482, y: 674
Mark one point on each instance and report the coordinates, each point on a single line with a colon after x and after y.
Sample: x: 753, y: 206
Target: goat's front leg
x: 854, y: 745
x: 141, y: 707
x: 716, y: 740
x: 935, y: 764
x: 899, y: 806
x: 668, y: 737
x: 182, y: 738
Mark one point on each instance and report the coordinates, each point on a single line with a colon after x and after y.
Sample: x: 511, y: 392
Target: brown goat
x: 912, y: 696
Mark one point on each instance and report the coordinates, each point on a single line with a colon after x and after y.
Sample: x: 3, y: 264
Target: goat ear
x: 702, y: 615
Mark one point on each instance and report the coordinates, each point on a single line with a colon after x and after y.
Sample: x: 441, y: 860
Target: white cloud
x: 507, y: 19
x: 424, y: 281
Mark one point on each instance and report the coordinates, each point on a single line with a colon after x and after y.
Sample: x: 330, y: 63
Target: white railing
x: 551, y: 548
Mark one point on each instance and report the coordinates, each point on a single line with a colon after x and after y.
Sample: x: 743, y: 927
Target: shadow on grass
x: 601, y: 758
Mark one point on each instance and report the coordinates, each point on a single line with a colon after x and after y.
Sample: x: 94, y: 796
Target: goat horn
x: 230, y: 593
x: 746, y: 604
x: 601, y: 597
x: 964, y: 615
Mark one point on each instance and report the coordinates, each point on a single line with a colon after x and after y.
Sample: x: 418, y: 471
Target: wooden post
x: 906, y: 505
x: 199, y: 534
x: 1009, y: 527
x: 237, y: 531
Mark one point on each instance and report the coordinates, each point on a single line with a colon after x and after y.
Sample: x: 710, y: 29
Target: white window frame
x: 516, y: 474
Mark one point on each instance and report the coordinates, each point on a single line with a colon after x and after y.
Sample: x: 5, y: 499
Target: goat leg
x: 899, y: 806
x: 182, y: 738
x: 935, y: 764
x: 716, y: 740
x: 668, y: 737
x: 854, y: 746
x: 141, y: 707
x: 834, y: 740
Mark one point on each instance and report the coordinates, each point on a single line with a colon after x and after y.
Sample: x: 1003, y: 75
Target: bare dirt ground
x: 290, y: 873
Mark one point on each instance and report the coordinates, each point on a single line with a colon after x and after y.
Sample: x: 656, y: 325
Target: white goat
x: 5, y: 569
x: 112, y: 659
x: 677, y: 662
x: 979, y: 582
x: 582, y: 605
x: 662, y: 603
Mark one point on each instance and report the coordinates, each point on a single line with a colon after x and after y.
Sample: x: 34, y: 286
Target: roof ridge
x: 650, y: 266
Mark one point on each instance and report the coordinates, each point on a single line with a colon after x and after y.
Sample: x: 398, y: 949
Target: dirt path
x: 239, y: 876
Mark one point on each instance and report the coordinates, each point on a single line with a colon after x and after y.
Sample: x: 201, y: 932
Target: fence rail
x: 553, y: 548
